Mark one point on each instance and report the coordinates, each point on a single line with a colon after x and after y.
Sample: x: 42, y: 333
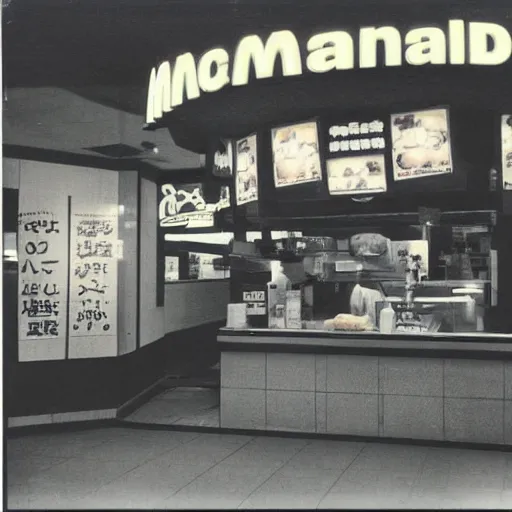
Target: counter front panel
x: 436, y: 398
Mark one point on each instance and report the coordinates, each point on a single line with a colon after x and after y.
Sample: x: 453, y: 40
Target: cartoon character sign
x: 184, y: 205
x: 421, y: 144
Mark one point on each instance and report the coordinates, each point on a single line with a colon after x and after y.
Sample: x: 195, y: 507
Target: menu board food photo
x: 506, y: 151
x: 223, y: 159
x: 224, y: 198
x: 246, y: 170
x: 296, y: 155
x: 421, y: 144
x: 357, y: 175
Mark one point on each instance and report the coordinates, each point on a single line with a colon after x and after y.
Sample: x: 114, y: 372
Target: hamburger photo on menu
x: 421, y: 144
x: 296, y: 156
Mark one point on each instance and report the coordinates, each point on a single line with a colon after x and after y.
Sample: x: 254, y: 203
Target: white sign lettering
x: 328, y: 51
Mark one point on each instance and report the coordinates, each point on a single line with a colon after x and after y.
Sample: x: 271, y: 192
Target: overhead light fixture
x: 149, y: 127
x: 149, y: 146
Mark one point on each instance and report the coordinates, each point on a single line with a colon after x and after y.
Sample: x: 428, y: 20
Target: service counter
x: 455, y: 387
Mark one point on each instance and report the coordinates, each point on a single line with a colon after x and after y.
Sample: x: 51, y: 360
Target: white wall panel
x: 127, y: 265
x: 152, y: 318
x: 94, y: 192
x: 43, y: 197
x: 46, y: 187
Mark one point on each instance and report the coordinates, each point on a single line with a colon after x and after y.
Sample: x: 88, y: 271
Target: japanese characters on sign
x: 93, y: 275
x: 356, y: 163
x: 42, y: 282
x: 357, y: 137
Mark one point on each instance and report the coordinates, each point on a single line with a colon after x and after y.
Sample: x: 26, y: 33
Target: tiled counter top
x: 474, y: 345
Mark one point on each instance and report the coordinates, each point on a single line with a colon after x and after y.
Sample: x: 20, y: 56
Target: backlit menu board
x: 246, y: 179
x: 356, y: 162
x: 363, y: 174
x: 356, y: 137
x: 296, y: 155
x: 421, y: 144
x: 223, y: 159
x: 506, y: 151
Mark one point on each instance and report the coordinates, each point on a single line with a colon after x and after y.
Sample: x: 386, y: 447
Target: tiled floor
x: 181, y: 406
x: 135, y: 468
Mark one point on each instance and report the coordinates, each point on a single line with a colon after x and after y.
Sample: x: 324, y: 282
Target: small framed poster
x: 246, y: 179
x: 223, y: 159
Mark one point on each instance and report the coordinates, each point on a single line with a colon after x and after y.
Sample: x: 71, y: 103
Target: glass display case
x: 398, y: 279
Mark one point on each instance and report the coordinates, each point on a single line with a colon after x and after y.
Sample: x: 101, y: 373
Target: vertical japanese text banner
x: 93, y: 273
x: 42, y: 275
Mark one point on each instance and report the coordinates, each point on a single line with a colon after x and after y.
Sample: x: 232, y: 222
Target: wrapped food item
x: 368, y: 244
x: 346, y: 322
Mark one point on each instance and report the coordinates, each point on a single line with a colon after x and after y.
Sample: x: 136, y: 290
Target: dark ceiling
x: 103, y: 50
x: 82, y: 45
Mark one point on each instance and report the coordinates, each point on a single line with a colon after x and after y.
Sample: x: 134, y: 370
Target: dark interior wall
x: 10, y: 280
x: 46, y: 387
x: 50, y: 387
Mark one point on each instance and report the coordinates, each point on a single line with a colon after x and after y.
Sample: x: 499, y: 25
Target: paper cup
x: 237, y: 316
